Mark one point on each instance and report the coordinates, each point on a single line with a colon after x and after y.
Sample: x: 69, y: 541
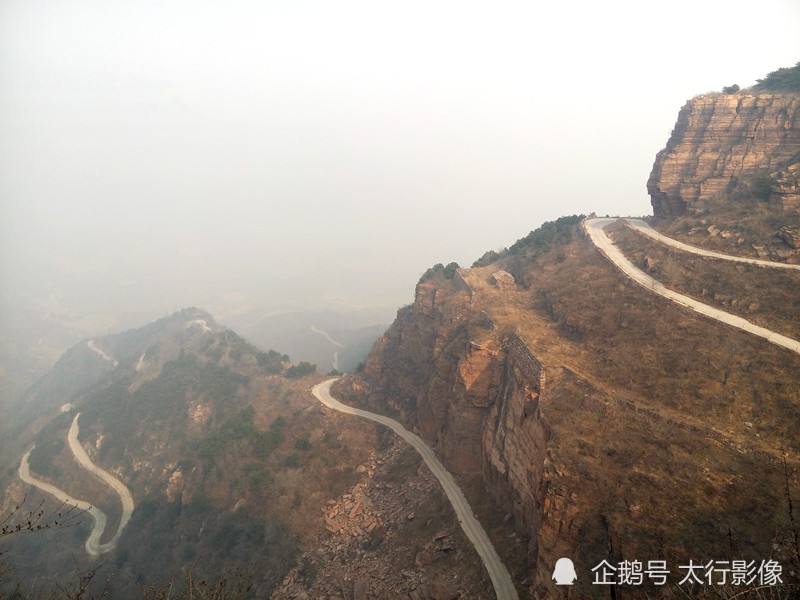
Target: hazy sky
x: 167, y: 153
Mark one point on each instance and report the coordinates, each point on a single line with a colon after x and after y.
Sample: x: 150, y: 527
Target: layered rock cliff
x: 472, y: 390
x: 743, y: 143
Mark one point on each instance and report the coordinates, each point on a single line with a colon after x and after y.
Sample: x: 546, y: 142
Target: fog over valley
x: 255, y: 158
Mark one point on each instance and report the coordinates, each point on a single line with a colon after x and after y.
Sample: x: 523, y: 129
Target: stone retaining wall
x: 526, y: 361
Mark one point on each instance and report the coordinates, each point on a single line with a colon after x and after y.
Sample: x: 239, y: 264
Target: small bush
x: 301, y: 370
x: 439, y: 270
x: 783, y: 80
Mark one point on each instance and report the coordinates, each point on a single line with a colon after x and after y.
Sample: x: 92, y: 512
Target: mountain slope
x: 194, y: 420
x: 610, y: 423
x: 239, y: 478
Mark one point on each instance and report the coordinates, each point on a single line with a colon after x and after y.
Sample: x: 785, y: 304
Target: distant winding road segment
x: 501, y: 579
x: 594, y: 228
x: 93, y: 545
x: 93, y: 347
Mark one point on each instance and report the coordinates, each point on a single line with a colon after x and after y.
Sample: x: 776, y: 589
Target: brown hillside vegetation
x: 764, y: 296
x: 661, y: 434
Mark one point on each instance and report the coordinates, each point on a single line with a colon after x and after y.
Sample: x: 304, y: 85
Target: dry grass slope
x: 670, y: 429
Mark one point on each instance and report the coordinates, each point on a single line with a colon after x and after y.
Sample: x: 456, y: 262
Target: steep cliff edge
x: 607, y: 423
x: 746, y: 143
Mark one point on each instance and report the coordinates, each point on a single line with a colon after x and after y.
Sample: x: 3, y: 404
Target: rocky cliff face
x: 471, y: 391
x: 724, y: 142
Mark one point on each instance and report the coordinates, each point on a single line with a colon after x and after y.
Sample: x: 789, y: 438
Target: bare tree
x: 20, y: 519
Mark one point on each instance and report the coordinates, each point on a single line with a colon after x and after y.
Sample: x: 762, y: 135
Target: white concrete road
x: 120, y: 488
x: 93, y: 545
x: 93, y: 347
x: 594, y: 228
x: 644, y: 228
x: 501, y: 579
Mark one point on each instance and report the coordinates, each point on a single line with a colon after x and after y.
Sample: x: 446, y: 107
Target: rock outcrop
x: 722, y: 143
x: 471, y: 391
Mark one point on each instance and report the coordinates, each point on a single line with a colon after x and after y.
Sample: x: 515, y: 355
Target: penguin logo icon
x: 564, y: 573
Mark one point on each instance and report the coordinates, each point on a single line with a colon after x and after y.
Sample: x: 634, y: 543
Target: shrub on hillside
x: 301, y: 370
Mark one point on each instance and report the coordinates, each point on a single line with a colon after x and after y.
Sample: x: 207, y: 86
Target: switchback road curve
x: 93, y: 545
x: 594, y: 229
x: 501, y: 579
x: 120, y: 488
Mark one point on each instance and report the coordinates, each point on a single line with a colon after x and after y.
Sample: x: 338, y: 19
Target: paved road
x: 501, y: 579
x: 594, y: 228
x: 120, y: 488
x: 93, y: 545
x: 643, y: 227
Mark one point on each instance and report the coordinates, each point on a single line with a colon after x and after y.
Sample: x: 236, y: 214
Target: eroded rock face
x: 723, y: 141
x: 471, y: 392
x: 515, y: 440
x: 785, y: 189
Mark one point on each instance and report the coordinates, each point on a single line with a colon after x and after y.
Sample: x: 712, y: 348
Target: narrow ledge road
x: 93, y: 347
x: 644, y: 228
x: 501, y: 579
x: 93, y: 545
x: 594, y: 229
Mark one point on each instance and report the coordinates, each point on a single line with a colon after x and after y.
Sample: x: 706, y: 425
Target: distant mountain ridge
x: 160, y: 406
x: 231, y: 463
x: 91, y: 361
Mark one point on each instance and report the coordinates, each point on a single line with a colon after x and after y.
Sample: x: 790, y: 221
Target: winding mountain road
x: 327, y: 336
x: 594, y: 229
x: 93, y: 545
x: 644, y: 228
x: 501, y: 579
x: 120, y: 488
x: 101, y: 353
